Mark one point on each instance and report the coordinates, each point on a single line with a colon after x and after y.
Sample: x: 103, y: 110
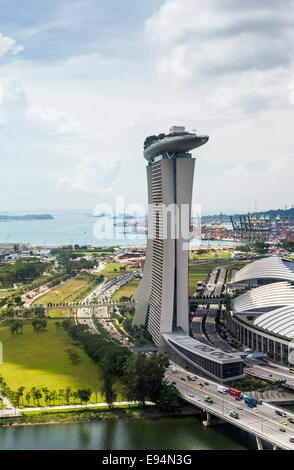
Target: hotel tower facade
x: 162, y: 296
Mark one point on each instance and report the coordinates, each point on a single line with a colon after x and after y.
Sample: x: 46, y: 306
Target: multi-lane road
x: 270, y: 371
x: 263, y: 423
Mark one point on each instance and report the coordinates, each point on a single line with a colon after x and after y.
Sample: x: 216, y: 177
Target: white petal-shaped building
x: 276, y: 294
x: 274, y: 267
x: 279, y: 321
x: 263, y: 317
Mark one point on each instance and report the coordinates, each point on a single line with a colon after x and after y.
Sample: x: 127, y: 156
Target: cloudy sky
x: 82, y: 82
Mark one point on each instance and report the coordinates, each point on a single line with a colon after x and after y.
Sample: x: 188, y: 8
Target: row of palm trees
x: 33, y: 396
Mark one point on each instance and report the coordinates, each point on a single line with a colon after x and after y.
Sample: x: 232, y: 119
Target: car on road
x: 256, y: 410
x: 233, y: 414
x: 199, y: 386
x: 284, y: 423
x: 208, y: 399
x: 206, y: 383
x: 291, y: 420
x: 238, y: 398
x: 282, y: 429
x: 240, y: 407
x: 183, y: 379
x: 174, y: 383
x: 190, y: 395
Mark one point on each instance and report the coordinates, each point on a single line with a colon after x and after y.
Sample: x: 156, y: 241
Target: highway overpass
x: 264, y: 423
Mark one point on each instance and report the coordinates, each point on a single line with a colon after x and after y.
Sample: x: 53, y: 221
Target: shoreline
x: 91, y: 416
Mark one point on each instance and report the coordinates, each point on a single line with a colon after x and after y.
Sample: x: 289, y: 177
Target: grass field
x: 236, y: 267
x: 200, y: 272
x: 6, y: 293
x: 210, y: 254
x: 127, y: 290
x: 73, y: 290
x: 197, y: 273
x: 113, y: 270
x: 39, y: 359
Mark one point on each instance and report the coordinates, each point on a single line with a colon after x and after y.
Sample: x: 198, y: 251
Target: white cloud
x: 195, y: 38
x: 91, y: 175
x: 220, y: 66
x: 59, y: 121
x: 8, y: 44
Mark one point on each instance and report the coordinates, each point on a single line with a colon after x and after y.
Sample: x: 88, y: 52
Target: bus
x: 234, y: 392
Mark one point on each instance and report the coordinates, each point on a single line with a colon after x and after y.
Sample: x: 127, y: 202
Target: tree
x: 144, y: 377
x: 39, y: 324
x: 108, y: 380
x: 20, y: 393
x: 28, y: 398
x: 156, y: 366
x: 60, y: 395
x: 168, y: 397
x: 68, y: 394
x: 36, y: 394
x: 261, y: 247
x: 73, y: 355
x: 52, y: 396
x: 16, y: 248
x: 136, y: 379
x: 84, y: 394
x: 46, y: 392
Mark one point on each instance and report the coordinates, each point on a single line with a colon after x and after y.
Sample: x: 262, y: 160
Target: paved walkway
x: 9, y: 410
x: 16, y: 412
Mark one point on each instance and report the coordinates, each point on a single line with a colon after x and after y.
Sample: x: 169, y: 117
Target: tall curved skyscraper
x: 162, y: 296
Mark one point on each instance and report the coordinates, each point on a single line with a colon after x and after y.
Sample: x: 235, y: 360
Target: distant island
x: 5, y: 218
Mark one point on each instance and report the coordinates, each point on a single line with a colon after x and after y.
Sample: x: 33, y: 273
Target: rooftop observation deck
x: 173, y: 144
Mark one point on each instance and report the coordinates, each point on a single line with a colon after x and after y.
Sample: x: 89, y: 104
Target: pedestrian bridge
x: 206, y: 300
x: 73, y: 308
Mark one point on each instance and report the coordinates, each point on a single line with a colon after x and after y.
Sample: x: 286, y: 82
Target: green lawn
x: 197, y: 273
x: 200, y: 272
x: 58, y: 313
x: 127, y: 290
x: 113, y: 270
x: 210, y: 255
x: 7, y: 293
x: 236, y: 267
x: 40, y: 359
x: 73, y: 290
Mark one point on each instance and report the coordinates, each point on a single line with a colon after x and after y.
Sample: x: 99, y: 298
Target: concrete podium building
x: 162, y: 297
